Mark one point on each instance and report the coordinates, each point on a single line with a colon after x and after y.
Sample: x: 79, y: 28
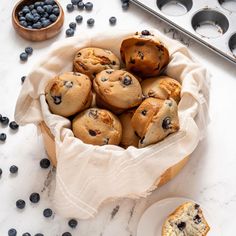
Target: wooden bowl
x: 36, y: 34
x: 49, y: 144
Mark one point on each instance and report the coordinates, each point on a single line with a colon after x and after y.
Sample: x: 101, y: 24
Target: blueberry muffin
x: 68, y: 93
x: 186, y: 220
x: 154, y: 119
x: 97, y: 126
x: 129, y: 137
x: 117, y: 90
x: 162, y: 87
x: 144, y: 55
x: 91, y: 61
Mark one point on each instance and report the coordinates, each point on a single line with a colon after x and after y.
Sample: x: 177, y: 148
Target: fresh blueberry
x: 52, y: 18
x: 112, y: 20
x: 3, y: 137
x: 80, y: 5
x: 23, y: 23
x: 45, y: 15
x: 72, y: 25
x: 75, y: 2
x: 48, y: 8
x: 40, y: 10
x: 29, y: 50
x: 4, y: 120
x: 31, y: 7
x: 26, y: 234
x: 124, y: 1
x: 20, y: 13
x: 37, y: 4
x: 34, y: 11
x: 49, y: 2
x: 29, y: 17
x: 37, y: 25
x: 23, y: 79
x: 23, y: 56
x: 20, y: 204
x: 79, y: 18
x: 88, y: 6
x: 38, y: 234
x: 46, y: 23
x: 67, y: 234
x: 44, y: 163
x: 72, y: 223
x: 125, y: 5
x: 34, y: 197
x: 70, y: 32
x: 70, y: 7
x: 25, y: 11
x: 22, y: 18
x: 29, y: 27
x: 90, y: 22
x: 0, y: 172
x: 13, y: 169
x: 13, y: 125
x: 12, y: 232
x: 56, y: 11
x: 47, y: 212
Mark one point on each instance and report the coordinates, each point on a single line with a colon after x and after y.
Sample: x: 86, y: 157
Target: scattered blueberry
x: 125, y: 5
x: 79, y: 18
x: 88, y: 6
x: 3, y: 137
x: 26, y: 234
x: 0, y: 172
x: 34, y: 197
x: 112, y: 20
x: 72, y: 25
x: 38, y: 234
x: 20, y: 204
x: 44, y: 163
x: 70, y: 7
x: 23, y: 56
x: 29, y: 50
x: 80, y: 5
x: 13, y: 169
x: 4, y: 120
x: 90, y: 22
x: 13, y: 125
x: 69, y: 32
x: 12, y: 232
x: 67, y: 234
x: 72, y: 223
x: 47, y: 212
x: 23, y: 79
x: 75, y: 2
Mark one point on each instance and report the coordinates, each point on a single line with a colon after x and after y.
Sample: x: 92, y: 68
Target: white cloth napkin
x: 88, y: 175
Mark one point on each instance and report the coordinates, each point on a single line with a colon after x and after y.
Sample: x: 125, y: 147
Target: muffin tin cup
x: 211, y: 23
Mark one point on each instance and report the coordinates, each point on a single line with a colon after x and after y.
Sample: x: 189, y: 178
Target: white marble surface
x: 209, y: 177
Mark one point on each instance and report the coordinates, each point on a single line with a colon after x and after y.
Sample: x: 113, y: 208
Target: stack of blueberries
x: 39, y: 15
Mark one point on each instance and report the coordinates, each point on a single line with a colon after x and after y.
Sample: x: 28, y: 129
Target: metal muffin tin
x: 210, y: 22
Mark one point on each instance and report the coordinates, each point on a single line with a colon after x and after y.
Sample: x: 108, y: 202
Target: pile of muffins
x: 130, y: 105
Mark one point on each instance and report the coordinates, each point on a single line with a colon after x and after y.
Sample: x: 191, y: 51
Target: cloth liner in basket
x: 89, y: 175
